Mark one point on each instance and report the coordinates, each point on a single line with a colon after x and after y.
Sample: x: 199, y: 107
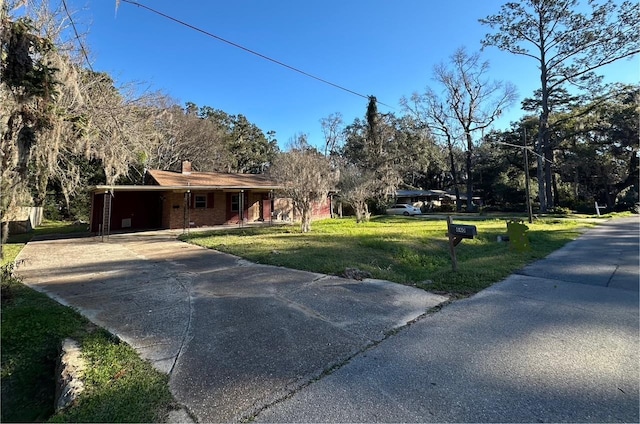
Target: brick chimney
x: 186, y: 167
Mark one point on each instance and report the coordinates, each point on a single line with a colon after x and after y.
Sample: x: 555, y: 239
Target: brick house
x: 174, y: 200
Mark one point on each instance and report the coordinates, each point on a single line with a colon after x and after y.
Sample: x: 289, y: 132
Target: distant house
x: 185, y: 199
x: 426, y: 199
x: 429, y: 199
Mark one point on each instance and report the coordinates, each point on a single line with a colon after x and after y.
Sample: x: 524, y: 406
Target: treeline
x: 594, y: 151
x: 594, y: 143
x: 594, y: 146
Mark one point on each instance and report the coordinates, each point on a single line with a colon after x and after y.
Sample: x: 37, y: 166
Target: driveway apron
x: 235, y: 337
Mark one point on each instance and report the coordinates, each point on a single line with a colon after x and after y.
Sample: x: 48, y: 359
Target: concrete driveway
x: 235, y: 337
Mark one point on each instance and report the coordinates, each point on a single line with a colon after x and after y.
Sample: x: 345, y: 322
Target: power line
x: 530, y: 149
x: 75, y: 31
x: 253, y: 52
x: 86, y: 57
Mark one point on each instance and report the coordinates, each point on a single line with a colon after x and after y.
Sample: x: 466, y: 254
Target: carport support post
x: 186, y: 218
x: 106, y: 214
x: 241, y: 208
x: 270, y: 207
x: 452, y: 245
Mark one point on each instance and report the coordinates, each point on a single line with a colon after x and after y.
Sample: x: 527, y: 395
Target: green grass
x: 120, y: 387
x: 407, y: 251
x: 10, y: 252
x: 32, y: 328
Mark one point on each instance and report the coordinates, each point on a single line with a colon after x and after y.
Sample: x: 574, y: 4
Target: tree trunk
x: 632, y: 176
x: 4, y: 235
x: 359, y: 214
x: 305, y: 225
x: 542, y: 193
x: 556, y: 195
x: 41, y: 187
x: 543, y: 129
x: 548, y: 172
x: 362, y: 212
x: 611, y: 197
x: 469, y: 179
x: 454, y: 173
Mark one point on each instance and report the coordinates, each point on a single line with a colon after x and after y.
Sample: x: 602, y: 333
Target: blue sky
x: 385, y: 48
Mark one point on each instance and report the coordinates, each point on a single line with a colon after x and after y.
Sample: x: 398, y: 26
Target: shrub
x: 560, y: 210
x: 446, y: 208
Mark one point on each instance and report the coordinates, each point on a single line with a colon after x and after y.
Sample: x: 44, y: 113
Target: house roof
x: 177, y: 181
x: 417, y: 193
x: 217, y: 180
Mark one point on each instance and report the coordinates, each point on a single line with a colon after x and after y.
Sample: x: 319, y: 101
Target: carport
x: 117, y: 208
x: 151, y: 207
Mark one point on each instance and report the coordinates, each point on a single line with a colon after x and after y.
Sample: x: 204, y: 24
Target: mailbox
x: 456, y: 233
x: 463, y: 231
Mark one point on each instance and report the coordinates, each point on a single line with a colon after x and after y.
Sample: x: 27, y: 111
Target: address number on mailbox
x: 464, y: 231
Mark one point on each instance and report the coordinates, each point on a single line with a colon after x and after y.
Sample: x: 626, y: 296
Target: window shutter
x: 210, y: 200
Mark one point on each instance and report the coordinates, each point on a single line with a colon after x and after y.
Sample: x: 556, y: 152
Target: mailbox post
x: 456, y: 233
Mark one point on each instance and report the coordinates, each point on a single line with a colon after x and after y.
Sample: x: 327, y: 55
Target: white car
x: 402, y: 209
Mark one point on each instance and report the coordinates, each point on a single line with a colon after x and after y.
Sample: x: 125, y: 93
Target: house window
x: 200, y: 201
x: 235, y: 202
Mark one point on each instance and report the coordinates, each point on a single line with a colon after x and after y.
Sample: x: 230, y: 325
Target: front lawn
x: 404, y: 250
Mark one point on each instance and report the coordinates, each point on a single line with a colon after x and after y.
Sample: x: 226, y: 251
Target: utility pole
x: 525, y: 152
x: 526, y: 175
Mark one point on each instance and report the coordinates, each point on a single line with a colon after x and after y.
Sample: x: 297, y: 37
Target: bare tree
x: 356, y: 186
x: 332, y: 131
x: 469, y: 103
x: 306, y: 176
x: 430, y: 109
x: 183, y: 135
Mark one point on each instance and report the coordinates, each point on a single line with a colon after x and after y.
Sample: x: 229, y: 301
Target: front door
x: 234, y: 204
